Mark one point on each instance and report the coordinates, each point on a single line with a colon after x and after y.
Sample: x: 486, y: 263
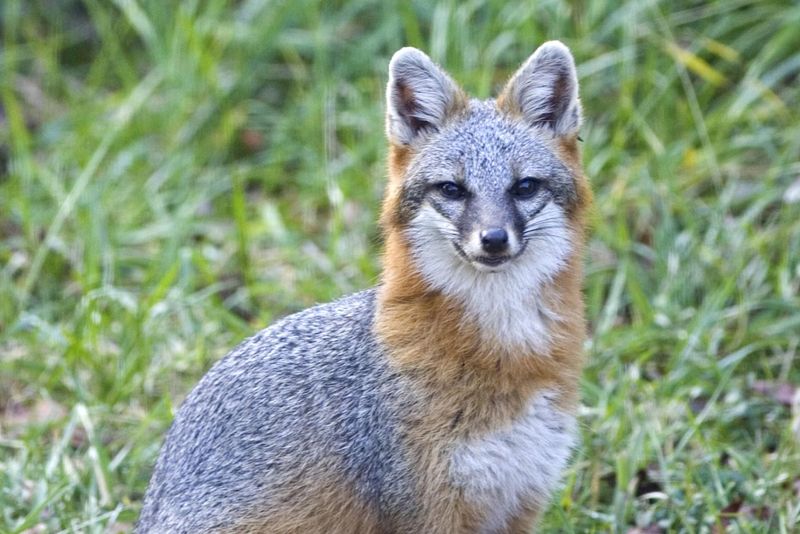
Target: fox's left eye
x: 525, y: 188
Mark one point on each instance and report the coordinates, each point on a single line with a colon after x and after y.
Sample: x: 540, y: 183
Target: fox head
x: 487, y: 196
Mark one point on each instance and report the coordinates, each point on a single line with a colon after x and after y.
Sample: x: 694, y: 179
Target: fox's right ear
x: 419, y: 98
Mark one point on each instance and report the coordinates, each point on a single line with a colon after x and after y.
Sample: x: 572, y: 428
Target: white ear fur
x: 545, y: 90
x: 419, y: 96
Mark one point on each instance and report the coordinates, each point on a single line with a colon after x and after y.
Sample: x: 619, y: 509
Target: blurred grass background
x: 174, y: 176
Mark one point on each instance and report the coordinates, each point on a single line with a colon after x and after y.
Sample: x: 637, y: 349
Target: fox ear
x: 545, y: 90
x: 419, y: 98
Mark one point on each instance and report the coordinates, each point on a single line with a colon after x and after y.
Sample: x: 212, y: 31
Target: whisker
x: 544, y: 220
x: 533, y: 231
x: 546, y: 237
x: 450, y: 233
x: 540, y: 229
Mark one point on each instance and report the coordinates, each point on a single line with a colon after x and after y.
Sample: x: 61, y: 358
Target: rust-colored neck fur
x: 430, y: 338
x: 465, y: 386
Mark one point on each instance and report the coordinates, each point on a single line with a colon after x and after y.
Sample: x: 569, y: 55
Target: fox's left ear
x: 545, y: 90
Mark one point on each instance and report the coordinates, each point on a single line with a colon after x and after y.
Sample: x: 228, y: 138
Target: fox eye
x: 452, y: 190
x: 525, y: 188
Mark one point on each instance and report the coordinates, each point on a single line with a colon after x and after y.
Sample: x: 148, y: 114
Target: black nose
x: 494, y: 240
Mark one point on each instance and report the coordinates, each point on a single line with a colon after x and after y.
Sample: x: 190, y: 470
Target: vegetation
x: 176, y: 175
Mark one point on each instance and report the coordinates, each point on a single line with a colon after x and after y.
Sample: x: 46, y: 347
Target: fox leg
x: 525, y: 521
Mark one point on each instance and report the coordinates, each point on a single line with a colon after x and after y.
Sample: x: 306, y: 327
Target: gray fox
x: 444, y: 399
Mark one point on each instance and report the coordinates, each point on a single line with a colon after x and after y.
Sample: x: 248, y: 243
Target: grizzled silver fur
x: 311, y: 390
x: 315, y: 393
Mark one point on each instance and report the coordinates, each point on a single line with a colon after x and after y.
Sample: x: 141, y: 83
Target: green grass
x: 174, y: 178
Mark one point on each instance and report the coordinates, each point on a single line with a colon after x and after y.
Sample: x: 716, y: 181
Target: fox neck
x: 440, y: 336
x: 432, y: 335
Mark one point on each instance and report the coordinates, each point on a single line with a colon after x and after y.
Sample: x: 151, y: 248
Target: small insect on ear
x: 419, y: 98
x: 544, y: 91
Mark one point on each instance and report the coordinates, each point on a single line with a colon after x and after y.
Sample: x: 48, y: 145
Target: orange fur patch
x: 471, y: 387
x: 336, y: 509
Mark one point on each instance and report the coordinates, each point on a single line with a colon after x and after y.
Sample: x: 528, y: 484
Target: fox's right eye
x: 452, y: 190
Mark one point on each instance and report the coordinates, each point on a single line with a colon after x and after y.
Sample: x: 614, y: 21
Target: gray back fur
x: 311, y: 390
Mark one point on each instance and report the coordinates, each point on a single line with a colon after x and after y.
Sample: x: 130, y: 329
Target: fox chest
x: 521, y: 464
